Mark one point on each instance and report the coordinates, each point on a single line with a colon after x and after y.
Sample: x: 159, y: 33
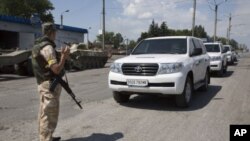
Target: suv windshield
x: 162, y: 46
x: 226, y: 48
x: 212, y: 48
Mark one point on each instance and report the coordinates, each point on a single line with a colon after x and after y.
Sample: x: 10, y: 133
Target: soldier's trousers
x: 49, y: 110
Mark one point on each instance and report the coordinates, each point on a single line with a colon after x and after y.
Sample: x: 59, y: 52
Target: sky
x: 131, y: 17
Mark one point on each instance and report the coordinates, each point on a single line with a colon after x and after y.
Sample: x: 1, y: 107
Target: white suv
x: 218, y: 58
x: 162, y: 65
x: 231, y: 55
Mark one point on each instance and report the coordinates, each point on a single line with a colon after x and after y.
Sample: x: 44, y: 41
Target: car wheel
x: 232, y: 61
x: 120, y: 97
x: 206, y: 82
x: 184, y: 99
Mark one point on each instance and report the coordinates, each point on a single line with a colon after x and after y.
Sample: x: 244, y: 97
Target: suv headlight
x: 215, y: 58
x: 116, y: 67
x: 167, y: 68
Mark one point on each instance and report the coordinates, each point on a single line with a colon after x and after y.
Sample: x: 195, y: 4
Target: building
x: 16, y: 32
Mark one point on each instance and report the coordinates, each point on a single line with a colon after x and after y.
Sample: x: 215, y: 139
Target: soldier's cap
x: 48, y: 28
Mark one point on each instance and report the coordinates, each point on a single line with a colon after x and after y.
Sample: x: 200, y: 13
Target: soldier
x: 46, y: 63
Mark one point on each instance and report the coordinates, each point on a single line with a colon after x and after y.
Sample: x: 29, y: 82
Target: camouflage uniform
x: 43, y: 56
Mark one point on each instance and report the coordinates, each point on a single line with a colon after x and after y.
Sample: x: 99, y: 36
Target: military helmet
x: 47, y: 28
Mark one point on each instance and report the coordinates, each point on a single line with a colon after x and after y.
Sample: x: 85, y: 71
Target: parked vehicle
x: 231, y: 55
x: 174, y: 65
x: 218, y: 58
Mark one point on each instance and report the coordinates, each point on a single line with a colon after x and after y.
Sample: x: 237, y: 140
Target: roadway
x: 144, y: 118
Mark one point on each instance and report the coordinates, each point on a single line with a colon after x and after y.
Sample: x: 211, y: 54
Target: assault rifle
x: 58, y: 80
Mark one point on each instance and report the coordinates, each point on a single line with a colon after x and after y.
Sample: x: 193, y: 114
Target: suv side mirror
x: 197, y: 51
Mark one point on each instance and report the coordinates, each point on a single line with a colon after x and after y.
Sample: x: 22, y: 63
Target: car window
x: 204, y: 51
x: 212, y: 47
x: 162, y: 46
x: 227, y: 48
x: 191, y: 46
x: 196, y: 44
x: 222, y: 48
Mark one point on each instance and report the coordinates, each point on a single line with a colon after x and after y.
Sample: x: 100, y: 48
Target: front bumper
x: 215, y: 65
x: 160, y: 84
x: 229, y: 58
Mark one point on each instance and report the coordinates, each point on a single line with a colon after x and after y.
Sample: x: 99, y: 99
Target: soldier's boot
x: 56, y: 138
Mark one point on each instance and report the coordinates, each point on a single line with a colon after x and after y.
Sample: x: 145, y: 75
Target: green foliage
x: 132, y: 44
x: 200, y: 32
x: 25, y: 8
x: 234, y: 43
x: 163, y: 31
x: 117, y: 39
x: 111, y: 38
x: 155, y: 31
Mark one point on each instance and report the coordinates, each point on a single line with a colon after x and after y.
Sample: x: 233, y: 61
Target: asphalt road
x: 144, y: 118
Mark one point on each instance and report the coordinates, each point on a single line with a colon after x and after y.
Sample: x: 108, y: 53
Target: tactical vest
x: 41, y: 68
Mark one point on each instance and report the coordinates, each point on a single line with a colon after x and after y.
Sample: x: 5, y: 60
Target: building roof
x: 19, y: 20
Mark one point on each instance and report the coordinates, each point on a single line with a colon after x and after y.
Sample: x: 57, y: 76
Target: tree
x: 164, y: 29
x: 131, y: 44
x: 117, y: 40
x: 108, y: 37
x: 144, y: 35
x: 200, y: 32
x: 222, y: 40
x: 111, y: 38
x: 153, y: 30
x: 25, y: 8
x: 234, y: 43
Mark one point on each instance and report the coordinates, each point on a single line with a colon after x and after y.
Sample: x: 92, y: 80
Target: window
x: 204, y: 51
x: 196, y: 43
x: 191, y: 46
x: 162, y: 46
x: 212, y: 47
x: 227, y: 48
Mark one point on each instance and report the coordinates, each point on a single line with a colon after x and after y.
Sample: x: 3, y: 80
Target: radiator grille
x: 146, y: 69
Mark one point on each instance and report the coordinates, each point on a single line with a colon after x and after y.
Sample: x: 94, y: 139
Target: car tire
x: 206, y: 82
x: 232, y: 61
x: 184, y: 99
x: 120, y: 97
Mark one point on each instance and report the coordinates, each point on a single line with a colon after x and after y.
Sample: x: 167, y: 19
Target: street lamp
x: 88, y: 37
x: 62, y: 17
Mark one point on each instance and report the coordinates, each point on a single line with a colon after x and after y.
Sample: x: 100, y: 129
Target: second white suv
x: 218, y: 58
x: 231, y: 55
x: 174, y: 65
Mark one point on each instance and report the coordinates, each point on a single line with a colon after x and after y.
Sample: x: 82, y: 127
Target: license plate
x: 137, y: 82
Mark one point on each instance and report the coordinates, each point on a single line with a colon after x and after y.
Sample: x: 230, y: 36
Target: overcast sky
x: 131, y: 17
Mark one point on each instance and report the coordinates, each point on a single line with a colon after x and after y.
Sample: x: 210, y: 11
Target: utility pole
x: 194, y: 10
x: 215, y: 22
x: 216, y: 11
x: 103, y: 25
x: 229, y: 29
